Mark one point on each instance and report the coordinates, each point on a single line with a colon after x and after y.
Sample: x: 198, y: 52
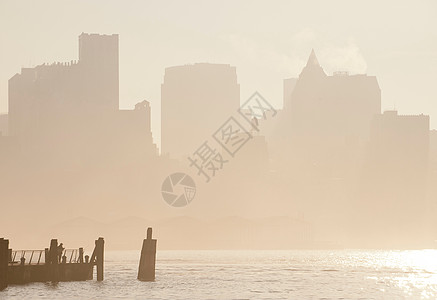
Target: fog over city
x: 236, y: 125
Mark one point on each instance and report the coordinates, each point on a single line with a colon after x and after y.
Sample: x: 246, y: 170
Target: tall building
x: 68, y: 113
x: 7, y: 144
x: 340, y: 106
x: 3, y: 124
x: 432, y: 167
x: 98, y: 58
x: 433, y: 147
x: 328, y: 117
x: 400, y: 142
x: 41, y: 95
x: 395, y: 177
x: 195, y: 101
x: 288, y: 87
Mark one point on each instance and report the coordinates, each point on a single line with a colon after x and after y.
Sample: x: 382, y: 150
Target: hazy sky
x: 266, y: 40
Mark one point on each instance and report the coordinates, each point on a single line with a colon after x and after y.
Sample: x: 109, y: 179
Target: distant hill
x: 177, y: 233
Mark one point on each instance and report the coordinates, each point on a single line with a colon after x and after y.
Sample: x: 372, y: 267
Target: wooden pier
x: 24, y: 266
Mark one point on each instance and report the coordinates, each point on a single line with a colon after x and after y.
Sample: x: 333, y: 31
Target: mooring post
x: 91, y: 267
x: 81, y: 255
x: 23, y: 278
x: 47, y: 263
x: 4, y: 260
x: 53, y: 260
x: 46, y: 256
x: 100, y: 244
x: 146, y: 269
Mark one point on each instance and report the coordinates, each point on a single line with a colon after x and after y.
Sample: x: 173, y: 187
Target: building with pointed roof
x: 312, y: 67
x: 329, y: 112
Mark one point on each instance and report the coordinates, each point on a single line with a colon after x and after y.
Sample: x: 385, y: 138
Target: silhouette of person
x: 60, y: 250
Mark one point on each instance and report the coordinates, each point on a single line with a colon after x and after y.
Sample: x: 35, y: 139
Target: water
x: 295, y: 274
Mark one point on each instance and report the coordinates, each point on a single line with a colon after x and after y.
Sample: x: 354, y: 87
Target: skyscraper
x: 98, y: 58
x: 69, y: 112
x: 328, y: 114
x: 400, y: 143
x: 339, y: 106
x: 43, y: 94
x: 195, y: 101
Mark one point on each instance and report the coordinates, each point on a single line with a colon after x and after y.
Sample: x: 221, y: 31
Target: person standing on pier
x: 60, y: 250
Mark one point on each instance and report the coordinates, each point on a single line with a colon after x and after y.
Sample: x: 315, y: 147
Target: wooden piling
x: 91, y: 267
x: 4, y: 260
x: 23, y: 276
x: 81, y: 255
x: 146, y: 269
x: 53, y: 261
x: 100, y: 244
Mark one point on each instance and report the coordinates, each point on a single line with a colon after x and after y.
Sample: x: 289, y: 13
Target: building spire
x: 313, y: 67
x: 312, y: 60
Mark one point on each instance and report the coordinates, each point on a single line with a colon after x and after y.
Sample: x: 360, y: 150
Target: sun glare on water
x: 413, y: 271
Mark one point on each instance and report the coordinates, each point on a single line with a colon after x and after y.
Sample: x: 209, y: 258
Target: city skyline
x: 283, y: 101
x: 331, y: 141
x: 281, y: 50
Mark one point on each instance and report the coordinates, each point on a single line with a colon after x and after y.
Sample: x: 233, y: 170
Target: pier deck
x: 50, y: 264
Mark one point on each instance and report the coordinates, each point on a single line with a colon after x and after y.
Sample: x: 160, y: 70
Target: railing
x: 72, y: 255
x: 37, y: 257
